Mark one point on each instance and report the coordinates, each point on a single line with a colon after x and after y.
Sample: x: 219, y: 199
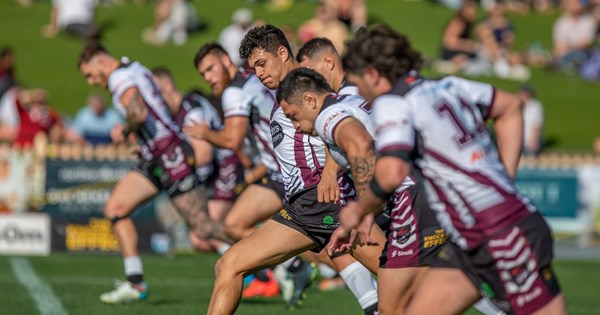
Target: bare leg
x: 254, y: 205
x: 252, y: 253
x: 217, y: 210
x: 396, y: 286
x: 368, y: 256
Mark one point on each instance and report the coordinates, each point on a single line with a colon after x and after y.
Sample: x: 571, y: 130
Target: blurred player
x: 345, y: 125
x: 167, y: 161
x: 500, y: 247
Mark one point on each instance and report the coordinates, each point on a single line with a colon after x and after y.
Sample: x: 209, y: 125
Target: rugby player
x: 501, y: 246
x: 167, y: 162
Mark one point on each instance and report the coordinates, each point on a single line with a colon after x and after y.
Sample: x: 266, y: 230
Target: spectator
x: 533, y: 120
x: 573, y: 35
x: 9, y: 115
x: 95, y: 121
x: 35, y: 116
x: 324, y: 24
x: 458, y: 43
x: 353, y: 13
x: 173, y: 19
x: 74, y: 17
x: 231, y: 36
x: 7, y: 77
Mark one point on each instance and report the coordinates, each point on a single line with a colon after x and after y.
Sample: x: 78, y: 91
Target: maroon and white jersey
x: 247, y: 96
x: 440, y: 126
x: 335, y: 109
x: 347, y: 88
x: 158, y: 131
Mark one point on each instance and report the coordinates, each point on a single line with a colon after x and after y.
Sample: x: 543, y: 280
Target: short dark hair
x: 208, y: 48
x: 313, y: 47
x: 267, y: 37
x: 383, y: 49
x: 301, y: 80
x: 162, y: 72
x: 90, y: 50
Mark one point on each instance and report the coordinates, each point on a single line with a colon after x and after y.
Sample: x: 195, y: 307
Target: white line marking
x: 46, y: 301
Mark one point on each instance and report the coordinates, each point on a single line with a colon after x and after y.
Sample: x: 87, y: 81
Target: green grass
x: 183, y: 285
x: 571, y: 104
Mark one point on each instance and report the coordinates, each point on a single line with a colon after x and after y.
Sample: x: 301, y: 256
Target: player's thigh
x: 218, y: 209
x: 443, y: 291
x: 271, y: 244
x: 396, y: 286
x: 368, y: 256
x: 131, y: 191
x: 255, y: 204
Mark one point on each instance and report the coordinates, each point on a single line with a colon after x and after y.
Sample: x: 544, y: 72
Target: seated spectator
x: 231, y: 36
x: 573, y: 34
x: 458, y: 43
x: 9, y: 115
x: 173, y: 19
x: 35, y: 116
x: 353, y: 13
x: 533, y: 121
x: 74, y: 17
x: 324, y: 24
x: 95, y: 121
x: 7, y: 77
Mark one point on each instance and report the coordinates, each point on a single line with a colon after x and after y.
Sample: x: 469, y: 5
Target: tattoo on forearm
x: 362, y: 170
x: 136, y: 112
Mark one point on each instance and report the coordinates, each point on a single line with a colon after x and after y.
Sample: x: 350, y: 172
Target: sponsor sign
x: 25, y: 234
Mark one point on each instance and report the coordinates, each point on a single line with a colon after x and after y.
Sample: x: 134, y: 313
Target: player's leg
x: 121, y: 203
x: 396, y: 286
x: 359, y: 280
x: 454, y: 293
x: 368, y: 256
x: 255, y: 204
x: 255, y: 252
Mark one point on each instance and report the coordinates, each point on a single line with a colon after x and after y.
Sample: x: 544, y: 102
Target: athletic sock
x: 294, y: 264
x: 133, y: 269
x: 360, y: 282
x: 221, y: 249
x: 486, y: 307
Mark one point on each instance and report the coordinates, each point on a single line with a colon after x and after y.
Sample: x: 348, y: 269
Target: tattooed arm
x: 136, y: 107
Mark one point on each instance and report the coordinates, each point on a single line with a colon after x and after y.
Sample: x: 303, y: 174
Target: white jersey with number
x: 247, y: 96
x: 440, y: 125
x: 158, y: 130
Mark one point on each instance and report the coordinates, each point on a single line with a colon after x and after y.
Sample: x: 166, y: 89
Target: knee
x: 202, y: 231
x: 114, y: 209
x: 226, y: 267
x: 234, y: 229
x: 201, y: 244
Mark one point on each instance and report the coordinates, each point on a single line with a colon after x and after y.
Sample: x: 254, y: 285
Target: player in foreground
x: 167, y: 162
x: 500, y: 247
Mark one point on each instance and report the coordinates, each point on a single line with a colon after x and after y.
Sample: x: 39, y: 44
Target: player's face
x: 365, y: 85
x: 93, y: 73
x: 268, y: 67
x: 302, y: 117
x: 215, y: 73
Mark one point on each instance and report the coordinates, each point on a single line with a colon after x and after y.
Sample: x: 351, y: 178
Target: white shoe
x: 285, y: 281
x: 125, y: 292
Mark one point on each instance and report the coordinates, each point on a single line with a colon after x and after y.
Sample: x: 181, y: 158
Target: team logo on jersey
x: 276, y: 133
x: 403, y: 234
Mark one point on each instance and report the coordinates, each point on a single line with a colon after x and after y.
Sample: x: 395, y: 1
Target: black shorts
x: 316, y: 220
x: 173, y: 171
x: 512, y: 268
x: 448, y: 54
x: 414, y: 237
x: 274, y: 182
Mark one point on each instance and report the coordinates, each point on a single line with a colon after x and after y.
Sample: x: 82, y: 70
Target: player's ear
x: 329, y: 64
x: 372, y: 75
x: 309, y: 99
x: 283, y: 53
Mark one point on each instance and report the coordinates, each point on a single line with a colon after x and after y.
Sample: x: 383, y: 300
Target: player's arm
x: 233, y: 133
x: 136, y: 108
x: 328, y: 189
x: 203, y: 151
x: 507, y: 113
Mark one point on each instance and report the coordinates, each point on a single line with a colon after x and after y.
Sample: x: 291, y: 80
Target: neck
x: 174, y: 99
x: 337, y: 79
x: 321, y: 101
x: 232, y: 70
x: 112, y: 65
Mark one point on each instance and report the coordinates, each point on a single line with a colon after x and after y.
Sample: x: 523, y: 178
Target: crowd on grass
x: 469, y: 45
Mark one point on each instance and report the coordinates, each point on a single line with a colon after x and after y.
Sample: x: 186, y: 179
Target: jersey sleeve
x: 479, y: 93
x: 394, y: 126
x: 120, y: 81
x: 196, y: 115
x: 328, y: 120
x: 235, y: 102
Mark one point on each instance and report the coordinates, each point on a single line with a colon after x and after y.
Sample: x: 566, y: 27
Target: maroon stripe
x: 491, y: 105
x: 396, y: 147
x: 309, y: 177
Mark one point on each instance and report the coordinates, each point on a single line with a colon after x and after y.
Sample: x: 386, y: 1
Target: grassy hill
x: 571, y: 104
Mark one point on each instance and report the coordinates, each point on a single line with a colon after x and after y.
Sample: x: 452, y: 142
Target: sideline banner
x: 25, y: 234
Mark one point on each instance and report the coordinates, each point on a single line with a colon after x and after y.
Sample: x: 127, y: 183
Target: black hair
x: 206, y: 49
x: 313, y: 47
x: 267, y: 37
x: 162, y: 72
x: 90, y: 50
x: 301, y: 80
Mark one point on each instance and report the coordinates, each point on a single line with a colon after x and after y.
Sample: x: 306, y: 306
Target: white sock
x: 133, y: 266
x: 326, y: 271
x: 486, y: 307
x: 221, y: 249
x: 288, y: 262
x: 360, y: 282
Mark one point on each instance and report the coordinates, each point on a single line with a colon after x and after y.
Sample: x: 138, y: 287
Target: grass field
x: 570, y: 103
x: 183, y: 285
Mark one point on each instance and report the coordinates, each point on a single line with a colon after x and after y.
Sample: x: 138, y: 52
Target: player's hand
x: 196, y: 130
x: 350, y: 216
x: 328, y: 189
x: 364, y: 230
x: 341, y: 241
x: 116, y: 134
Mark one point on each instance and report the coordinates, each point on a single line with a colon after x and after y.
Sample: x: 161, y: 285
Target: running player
x: 304, y: 223
x: 220, y: 176
x: 500, y: 247
x: 344, y: 123
x: 167, y: 161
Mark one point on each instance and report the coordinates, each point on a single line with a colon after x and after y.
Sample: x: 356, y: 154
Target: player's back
x: 442, y: 123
